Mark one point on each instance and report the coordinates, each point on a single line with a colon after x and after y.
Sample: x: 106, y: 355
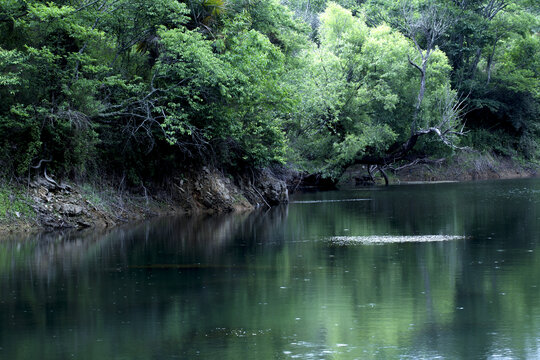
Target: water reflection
x: 268, y: 285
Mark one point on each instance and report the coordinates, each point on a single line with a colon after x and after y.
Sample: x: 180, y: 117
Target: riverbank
x: 45, y: 204
x: 466, y: 166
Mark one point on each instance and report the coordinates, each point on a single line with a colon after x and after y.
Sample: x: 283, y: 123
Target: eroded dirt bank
x: 462, y: 167
x: 45, y: 203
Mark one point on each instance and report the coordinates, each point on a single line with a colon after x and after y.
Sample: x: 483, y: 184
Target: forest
x: 162, y: 167
x: 140, y: 89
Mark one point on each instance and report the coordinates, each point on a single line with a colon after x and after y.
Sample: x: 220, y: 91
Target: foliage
x: 361, y: 91
x: 113, y: 82
x: 14, y: 204
x: 142, y: 88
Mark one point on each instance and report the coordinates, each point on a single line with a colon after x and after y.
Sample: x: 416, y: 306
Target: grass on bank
x: 14, y: 204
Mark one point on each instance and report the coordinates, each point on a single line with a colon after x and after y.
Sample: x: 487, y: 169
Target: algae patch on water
x: 389, y: 239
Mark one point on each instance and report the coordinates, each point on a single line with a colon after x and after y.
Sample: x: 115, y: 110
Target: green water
x: 269, y: 285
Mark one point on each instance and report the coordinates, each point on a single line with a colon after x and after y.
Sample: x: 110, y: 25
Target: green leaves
x: 340, y: 29
x: 240, y: 82
x: 359, y: 92
x: 233, y: 95
x: 10, y: 70
x: 520, y: 65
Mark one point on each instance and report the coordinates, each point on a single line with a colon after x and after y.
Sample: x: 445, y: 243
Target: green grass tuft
x: 14, y: 204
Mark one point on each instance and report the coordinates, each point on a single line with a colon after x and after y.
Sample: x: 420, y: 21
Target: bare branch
x: 493, y: 7
x: 40, y: 163
x: 414, y: 64
x: 419, y: 161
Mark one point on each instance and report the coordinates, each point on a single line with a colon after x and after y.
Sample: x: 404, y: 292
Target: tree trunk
x: 370, y: 173
x: 421, y: 93
x: 475, y: 63
x: 490, y: 62
x: 383, y: 175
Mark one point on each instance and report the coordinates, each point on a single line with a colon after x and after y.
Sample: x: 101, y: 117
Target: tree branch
x: 414, y: 64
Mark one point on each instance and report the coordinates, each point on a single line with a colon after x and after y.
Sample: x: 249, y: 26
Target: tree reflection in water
x: 267, y: 284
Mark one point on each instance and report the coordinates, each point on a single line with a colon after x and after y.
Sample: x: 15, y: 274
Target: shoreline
x: 43, y: 205
x: 462, y: 167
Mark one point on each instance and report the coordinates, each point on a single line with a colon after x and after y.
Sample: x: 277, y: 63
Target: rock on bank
x: 52, y: 204
x: 212, y: 191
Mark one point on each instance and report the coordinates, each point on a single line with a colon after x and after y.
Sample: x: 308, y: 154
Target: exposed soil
x: 67, y: 205
x: 466, y: 167
x: 462, y: 167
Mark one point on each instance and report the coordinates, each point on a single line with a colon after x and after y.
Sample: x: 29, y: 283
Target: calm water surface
x: 269, y: 285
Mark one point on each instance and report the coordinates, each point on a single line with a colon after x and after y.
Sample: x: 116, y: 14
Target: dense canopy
x: 141, y: 88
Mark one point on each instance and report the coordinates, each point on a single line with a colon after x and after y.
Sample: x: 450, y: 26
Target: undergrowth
x: 14, y: 204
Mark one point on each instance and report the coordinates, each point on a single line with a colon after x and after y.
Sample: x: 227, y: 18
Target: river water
x: 272, y: 284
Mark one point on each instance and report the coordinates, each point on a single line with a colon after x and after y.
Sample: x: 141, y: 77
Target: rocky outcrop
x: 206, y: 190
x: 210, y: 190
x: 64, y: 206
x: 272, y: 189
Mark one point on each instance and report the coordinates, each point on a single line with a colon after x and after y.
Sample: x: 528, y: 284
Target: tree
x: 429, y: 26
x: 370, y: 108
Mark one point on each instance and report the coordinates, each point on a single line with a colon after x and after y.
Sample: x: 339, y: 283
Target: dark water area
x: 270, y: 285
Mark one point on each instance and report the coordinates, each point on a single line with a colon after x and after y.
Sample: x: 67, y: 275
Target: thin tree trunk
x: 421, y: 92
x: 490, y: 63
x: 383, y: 175
x: 475, y: 63
x: 370, y: 173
